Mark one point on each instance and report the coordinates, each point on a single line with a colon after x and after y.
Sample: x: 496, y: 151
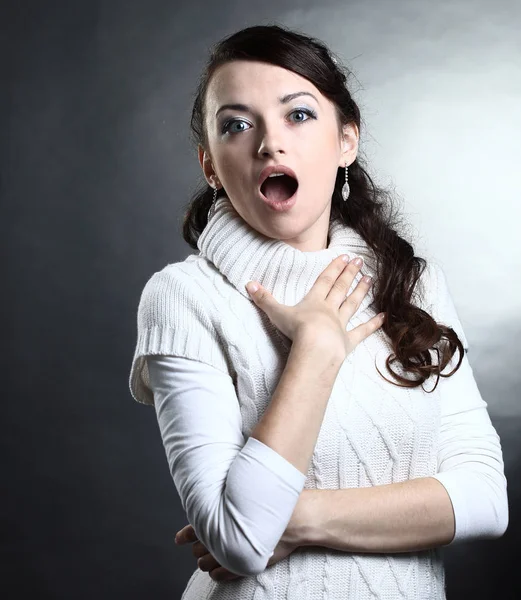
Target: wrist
x: 304, y: 524
x: 317, y: 348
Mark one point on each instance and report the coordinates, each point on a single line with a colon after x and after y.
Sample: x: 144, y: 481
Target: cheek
x: 225, y: 158
x: 228, y: 167
x: 234, y: 171
x: 320, y: 174
x: 320, y: 149
x: 322, y: 167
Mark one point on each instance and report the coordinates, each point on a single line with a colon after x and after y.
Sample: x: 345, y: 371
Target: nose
x: 271, y: 142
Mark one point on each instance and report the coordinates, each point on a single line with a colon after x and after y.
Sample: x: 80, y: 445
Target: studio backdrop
x: 96, y: 167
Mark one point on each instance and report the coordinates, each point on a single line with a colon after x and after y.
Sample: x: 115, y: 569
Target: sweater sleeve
x: 173, y: 318
x: 470, y: 460
x: 238, y: 497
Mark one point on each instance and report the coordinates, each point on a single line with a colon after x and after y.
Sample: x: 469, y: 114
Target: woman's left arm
x: 465, y: 500
x: 470, y: 460
x: 399, y: 517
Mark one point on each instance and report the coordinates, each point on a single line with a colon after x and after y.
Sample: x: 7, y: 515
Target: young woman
x: 319, y: 449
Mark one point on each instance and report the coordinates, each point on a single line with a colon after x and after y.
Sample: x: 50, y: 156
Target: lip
x: 282, y: 205
x: 266, y: 172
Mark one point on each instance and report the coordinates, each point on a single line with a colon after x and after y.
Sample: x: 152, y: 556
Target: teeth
x: 275, y: 175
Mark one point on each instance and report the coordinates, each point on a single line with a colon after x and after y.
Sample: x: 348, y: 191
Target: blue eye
x: 310, y: 113
x: 228, y: 124
x: 307, y: 111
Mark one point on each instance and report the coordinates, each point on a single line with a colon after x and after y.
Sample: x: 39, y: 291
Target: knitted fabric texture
x: 373, y: 432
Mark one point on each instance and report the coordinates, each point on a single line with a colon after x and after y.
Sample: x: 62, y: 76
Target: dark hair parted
x: 411, y: 330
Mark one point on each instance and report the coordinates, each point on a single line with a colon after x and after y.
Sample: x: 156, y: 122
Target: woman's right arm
x: 239, y: 495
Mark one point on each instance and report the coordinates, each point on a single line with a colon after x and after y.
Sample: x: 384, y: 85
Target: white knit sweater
x: 238, y: 493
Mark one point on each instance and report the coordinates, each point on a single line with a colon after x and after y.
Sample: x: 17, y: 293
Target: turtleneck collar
x: 242, y: 254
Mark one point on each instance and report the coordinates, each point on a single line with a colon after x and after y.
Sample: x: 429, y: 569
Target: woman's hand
x: 325, y: 311
x: 206, y: 562
x: 290, y: 541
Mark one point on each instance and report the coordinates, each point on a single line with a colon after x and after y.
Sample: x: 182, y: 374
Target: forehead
x: 247, y: 81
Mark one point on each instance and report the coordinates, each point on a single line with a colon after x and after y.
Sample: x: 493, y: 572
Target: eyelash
x: 308, y: 111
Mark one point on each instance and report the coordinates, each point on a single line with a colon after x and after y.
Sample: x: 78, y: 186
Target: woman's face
x: 301, y: 133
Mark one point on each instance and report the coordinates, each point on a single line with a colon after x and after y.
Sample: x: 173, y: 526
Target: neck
x: 242, y: 254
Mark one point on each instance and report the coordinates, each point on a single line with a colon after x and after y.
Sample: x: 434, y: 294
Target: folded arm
x: 465, y: 500
x: 238, y: 496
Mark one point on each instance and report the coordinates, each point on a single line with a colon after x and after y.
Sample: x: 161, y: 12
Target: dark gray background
x: 95, y: 166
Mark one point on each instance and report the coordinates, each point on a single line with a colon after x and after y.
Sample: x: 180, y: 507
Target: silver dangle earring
x: 214, y: 190
x: 345, y: 188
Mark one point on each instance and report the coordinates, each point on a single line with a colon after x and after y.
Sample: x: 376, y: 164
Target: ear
x: 349, y: 144
x: 207, y: 167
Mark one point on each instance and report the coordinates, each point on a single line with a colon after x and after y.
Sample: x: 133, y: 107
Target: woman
x: 304, y: 471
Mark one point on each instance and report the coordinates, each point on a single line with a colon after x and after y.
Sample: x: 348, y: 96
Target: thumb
x: 260, y: 295
x: 252, y: 287
x: 271, y: 307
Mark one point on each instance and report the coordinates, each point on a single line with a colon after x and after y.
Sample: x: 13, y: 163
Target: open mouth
x: 279, y: 188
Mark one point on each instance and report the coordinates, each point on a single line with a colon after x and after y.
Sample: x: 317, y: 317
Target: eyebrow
x: 283, y: 100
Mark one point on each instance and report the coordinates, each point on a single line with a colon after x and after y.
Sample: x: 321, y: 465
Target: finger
x: 186, y: 534
x: 222, y: 574
x: 328, y: 277
x: 351, y: 303
x: 207, y: 563
x: 199, y: 549
x: 262, y: 298
x: 339, y: 289
x: 366, y: 329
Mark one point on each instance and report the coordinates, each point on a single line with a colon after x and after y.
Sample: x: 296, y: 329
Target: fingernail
x: 252, y: 287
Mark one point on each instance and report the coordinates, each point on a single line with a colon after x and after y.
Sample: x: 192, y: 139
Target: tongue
x: 278, y: 188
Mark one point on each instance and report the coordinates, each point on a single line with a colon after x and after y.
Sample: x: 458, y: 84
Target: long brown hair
x: 369, y: 211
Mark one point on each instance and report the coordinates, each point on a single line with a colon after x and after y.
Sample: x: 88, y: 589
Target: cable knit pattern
x: 373, y: 432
